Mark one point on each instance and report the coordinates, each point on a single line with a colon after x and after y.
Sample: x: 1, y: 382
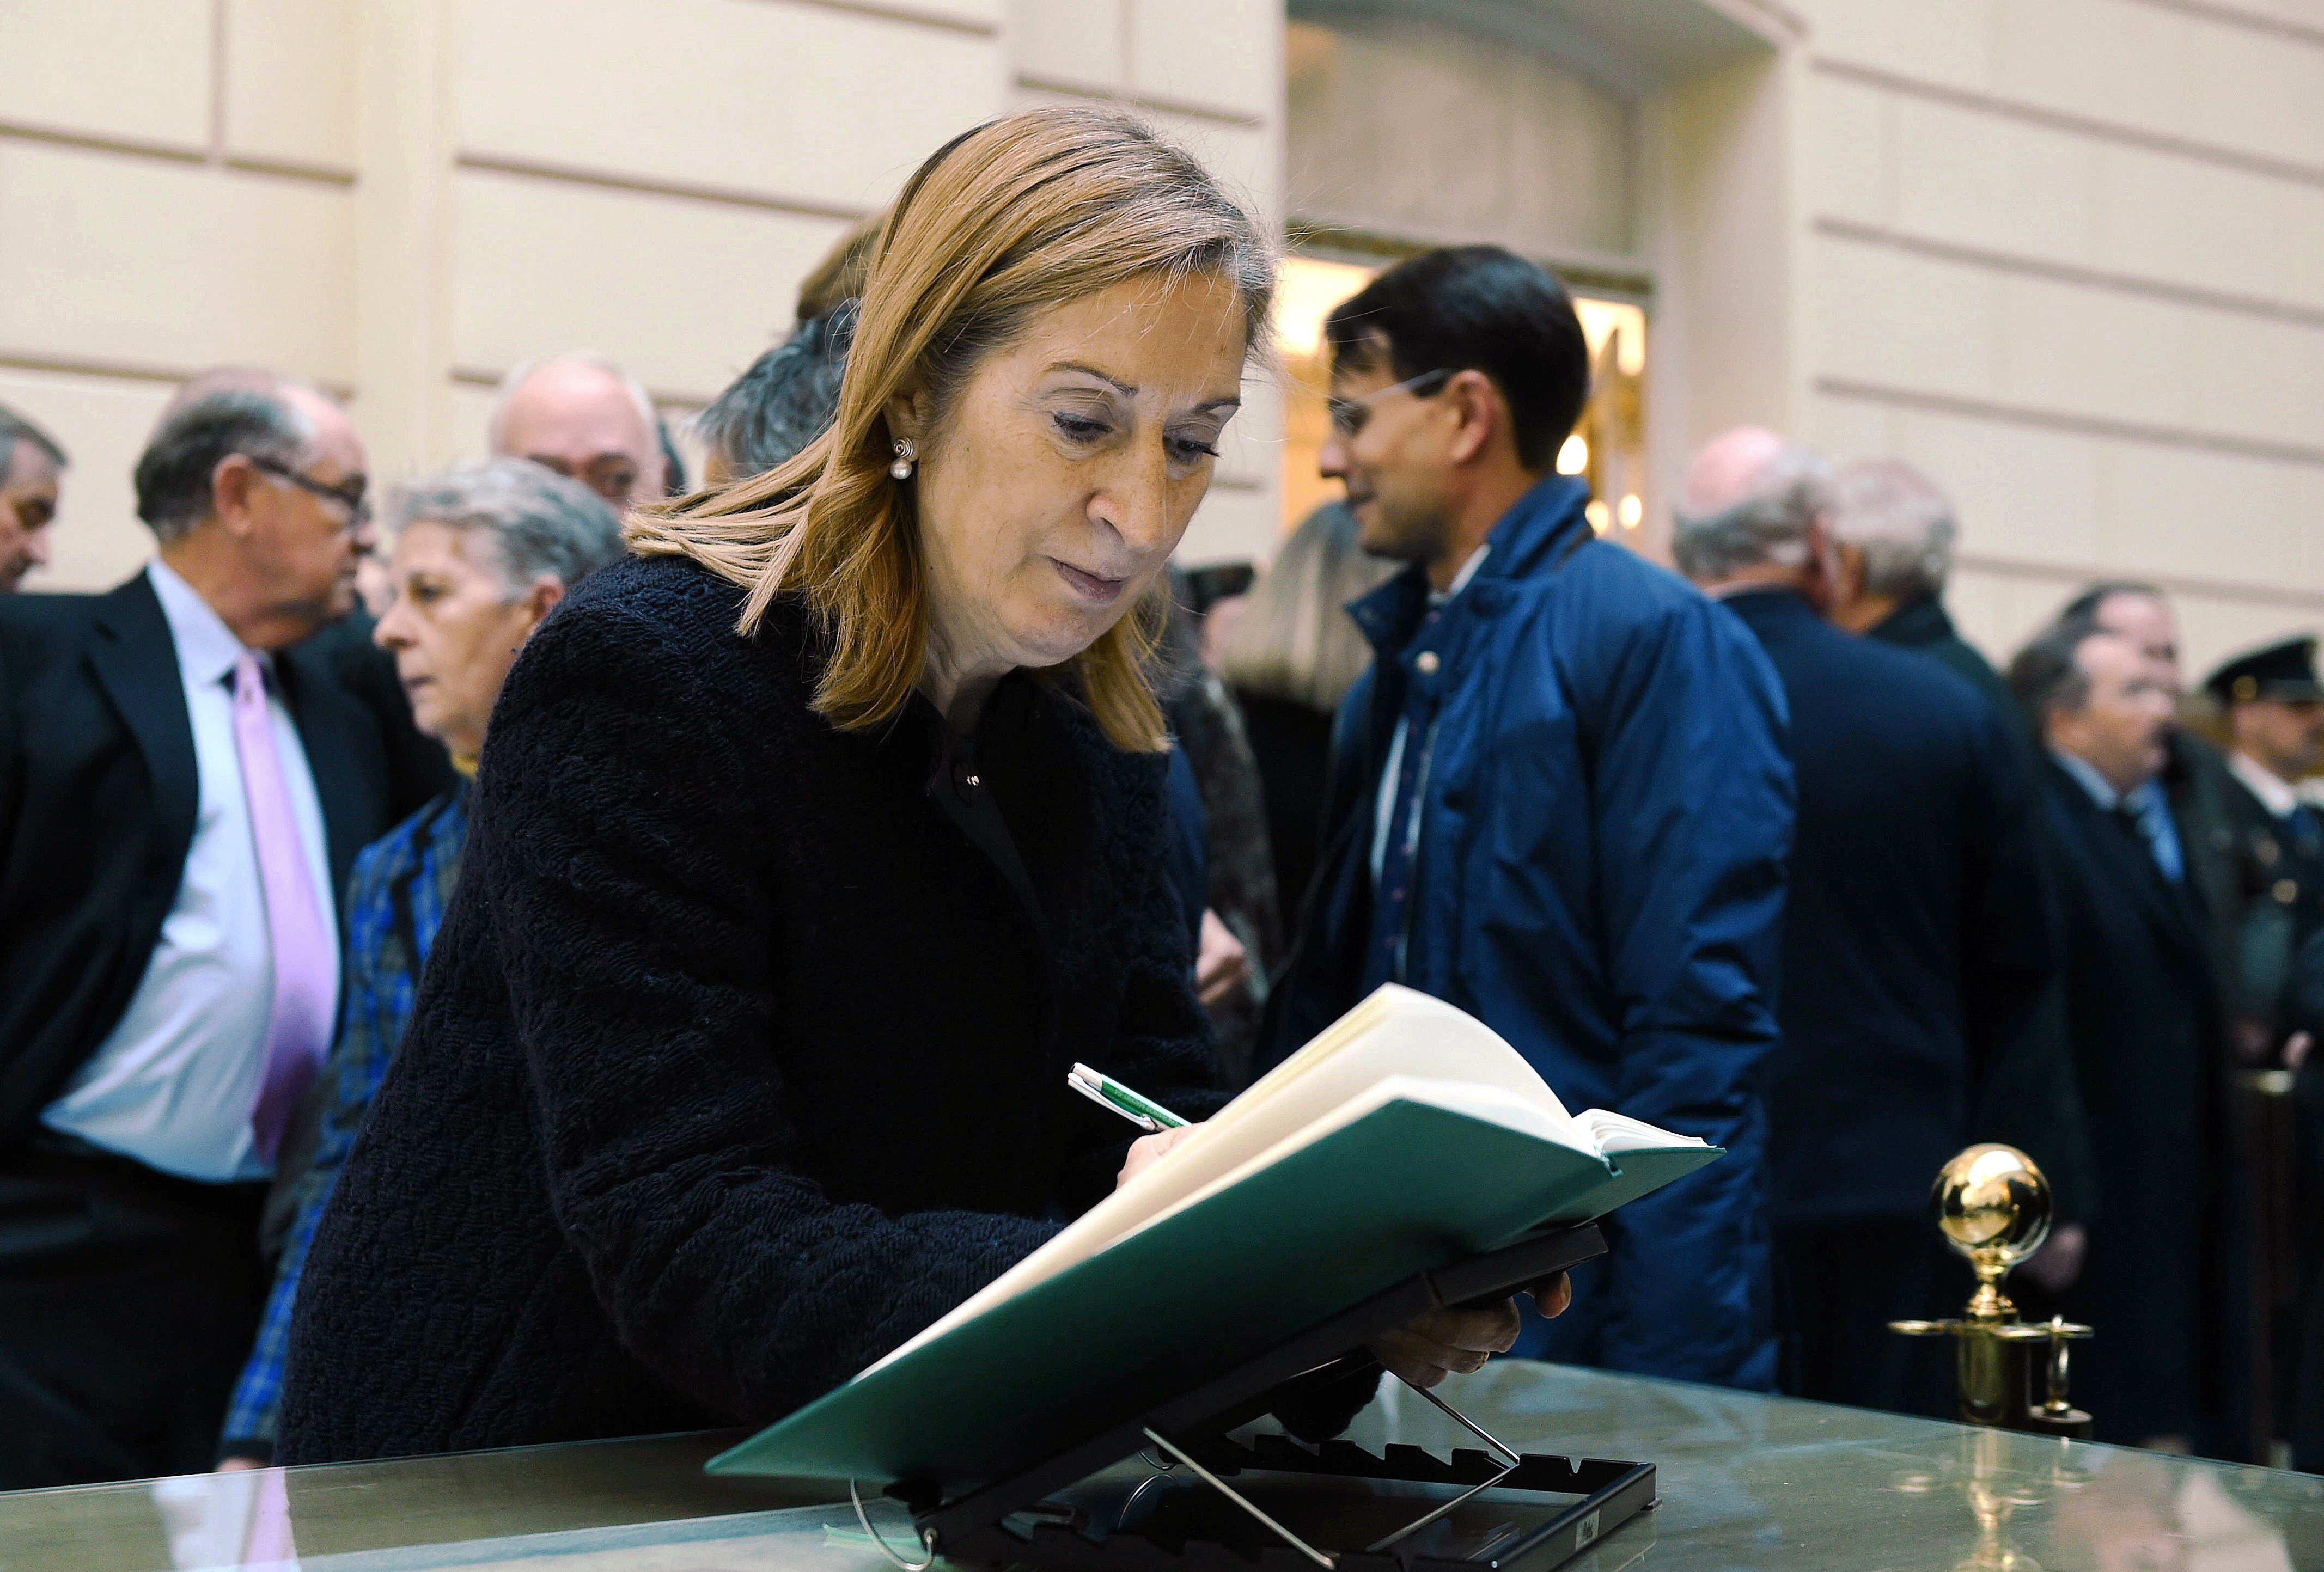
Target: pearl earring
x: 902, y: 468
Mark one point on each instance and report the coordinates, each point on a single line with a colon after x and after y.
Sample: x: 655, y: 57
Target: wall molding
x: 2237, y: 16
x: 664, y: 398
x: 606, y: 180
x: 1234, y: 119
x: 2082, y: 573
x: 170, y: 152
x: 2014, y: 262
x: 2065, y: 120
x: 902, y: 11
x: 129, y: 370
x: 2154, y: 436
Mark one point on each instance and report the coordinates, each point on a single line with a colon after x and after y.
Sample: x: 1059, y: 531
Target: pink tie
x: 299, y: 1028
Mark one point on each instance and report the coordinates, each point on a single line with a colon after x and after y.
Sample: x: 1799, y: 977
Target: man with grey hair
x: 482, y: 555
x: 1917, y: 940
x: 587, y: 418
x: 183, y: 786
x: 30, y: 466
x: 2148, y: 1044
x: 1893, y: 537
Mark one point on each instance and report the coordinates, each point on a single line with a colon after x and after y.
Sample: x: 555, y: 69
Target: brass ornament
x: 1994, y: 1207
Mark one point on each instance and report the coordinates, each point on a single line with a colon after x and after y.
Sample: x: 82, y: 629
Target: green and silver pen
x: 1111, y: 1095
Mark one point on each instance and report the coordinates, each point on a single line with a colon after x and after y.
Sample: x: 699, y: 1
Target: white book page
x: 1609, y: 1132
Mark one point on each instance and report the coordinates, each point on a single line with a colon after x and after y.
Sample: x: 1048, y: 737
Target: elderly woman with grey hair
x: 481, y: 554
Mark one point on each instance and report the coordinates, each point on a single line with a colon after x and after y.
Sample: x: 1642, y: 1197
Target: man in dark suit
x: 1892, y: 534
x: 2161, y: 1285
x: 182, y: 791
x: 1918, y: 936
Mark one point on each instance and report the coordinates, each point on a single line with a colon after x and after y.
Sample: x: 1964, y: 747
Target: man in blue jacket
x: 1560, y: 799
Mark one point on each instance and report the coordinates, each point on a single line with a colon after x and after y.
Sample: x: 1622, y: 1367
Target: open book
x: 1397, y: 1045
x: 1406, y: 1137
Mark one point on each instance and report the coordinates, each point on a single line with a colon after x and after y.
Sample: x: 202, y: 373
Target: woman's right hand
x: 1146, y: 1149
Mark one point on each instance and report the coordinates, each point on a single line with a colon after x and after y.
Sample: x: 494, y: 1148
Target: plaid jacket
x: 396, y: 897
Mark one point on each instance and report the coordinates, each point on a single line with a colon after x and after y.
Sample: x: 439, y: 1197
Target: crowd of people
x: 455, y: 977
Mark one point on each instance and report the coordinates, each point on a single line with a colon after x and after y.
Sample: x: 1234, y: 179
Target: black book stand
x: 1341, y: 1493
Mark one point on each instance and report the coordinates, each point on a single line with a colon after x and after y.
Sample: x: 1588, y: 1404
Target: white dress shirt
x: 174, y: 1083
x: 2277, y: 796
x: 1384, y: 792
x: 2147, y: 801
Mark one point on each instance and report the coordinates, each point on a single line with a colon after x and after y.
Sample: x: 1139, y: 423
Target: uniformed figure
x: 2271, y: 849
x: 2274, y: 712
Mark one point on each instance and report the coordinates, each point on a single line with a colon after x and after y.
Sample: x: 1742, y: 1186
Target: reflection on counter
x: 1747, y: 1482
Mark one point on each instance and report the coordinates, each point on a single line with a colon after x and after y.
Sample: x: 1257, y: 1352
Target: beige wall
x: 402, y: 198
x: 2069, y: 254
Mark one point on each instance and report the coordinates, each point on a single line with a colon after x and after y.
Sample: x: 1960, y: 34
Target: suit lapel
x: 135, y: 661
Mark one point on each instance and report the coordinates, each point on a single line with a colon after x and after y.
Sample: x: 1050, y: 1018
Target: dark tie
x: 2142, y: 833
x: 1392, y: 891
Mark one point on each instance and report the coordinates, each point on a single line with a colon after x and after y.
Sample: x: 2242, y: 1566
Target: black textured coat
x: 741, y: 1057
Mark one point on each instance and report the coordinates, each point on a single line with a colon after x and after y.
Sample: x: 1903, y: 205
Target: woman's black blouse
x: 741, y: 1057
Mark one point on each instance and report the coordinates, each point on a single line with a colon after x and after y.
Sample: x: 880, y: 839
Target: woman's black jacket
x: 742, y: 1054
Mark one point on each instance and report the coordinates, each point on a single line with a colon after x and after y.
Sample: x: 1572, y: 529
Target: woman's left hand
x: 1452, y: 1341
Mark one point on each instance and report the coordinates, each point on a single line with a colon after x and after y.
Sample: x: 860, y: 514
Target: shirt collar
x: 1461, y: 580
x: 2087, y: 777
x: 2276, y: 794
x: 207, y: 646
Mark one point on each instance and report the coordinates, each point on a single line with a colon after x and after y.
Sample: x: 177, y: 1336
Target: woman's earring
x: 905, y: 454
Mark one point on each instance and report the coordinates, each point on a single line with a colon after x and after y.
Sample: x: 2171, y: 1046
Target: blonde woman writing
x: 810, y: 848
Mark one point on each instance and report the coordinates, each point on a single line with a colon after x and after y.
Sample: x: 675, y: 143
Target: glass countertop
x: 1745, y: 1482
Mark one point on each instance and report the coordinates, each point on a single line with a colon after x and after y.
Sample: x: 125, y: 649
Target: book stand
x: 1343, y: 1493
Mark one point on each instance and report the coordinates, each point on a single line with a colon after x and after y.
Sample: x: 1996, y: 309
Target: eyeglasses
x: 348, y: 495
x: 1348, y: 415
x: 610, y: 476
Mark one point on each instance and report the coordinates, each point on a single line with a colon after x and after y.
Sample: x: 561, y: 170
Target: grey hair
x: 496, y: 426
x: 1901, y: 521
x: 540, y: 521
x: 15, y: 428
x: 1769, y: 525
x: 2047, y: 674
x: 194, y: 437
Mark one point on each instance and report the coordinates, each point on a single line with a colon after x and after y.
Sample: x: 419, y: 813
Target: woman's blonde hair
x: 1294, y: 639
x: 1018, y: 216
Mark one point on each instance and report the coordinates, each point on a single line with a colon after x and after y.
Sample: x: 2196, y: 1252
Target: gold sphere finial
x: 1992, y: 1205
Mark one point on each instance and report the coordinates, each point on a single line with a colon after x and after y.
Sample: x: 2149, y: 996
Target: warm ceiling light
x: 1306, y: 290
x: 1575, y: 456
x: 1596, y: 513
x: 1633, y: 510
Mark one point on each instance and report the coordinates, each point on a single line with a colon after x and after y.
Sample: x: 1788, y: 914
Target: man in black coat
x: 1917, y: 939
x: 182, y: 791
x: 2161, y: 1285
x: 1892, y: 535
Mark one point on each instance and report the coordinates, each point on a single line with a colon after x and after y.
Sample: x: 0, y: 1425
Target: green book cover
x: 1406, y: 1188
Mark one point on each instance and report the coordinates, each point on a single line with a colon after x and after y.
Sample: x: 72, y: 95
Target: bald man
x: 1917, y: 940
x: 585, y: 419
